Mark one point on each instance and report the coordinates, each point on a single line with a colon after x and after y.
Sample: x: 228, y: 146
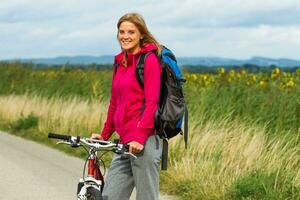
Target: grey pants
x: 126, y: 173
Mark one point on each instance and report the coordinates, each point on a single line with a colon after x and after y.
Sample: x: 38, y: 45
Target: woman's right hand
x: 96, y: 136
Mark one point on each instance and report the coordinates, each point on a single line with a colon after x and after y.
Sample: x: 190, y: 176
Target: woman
x: 131, y: 114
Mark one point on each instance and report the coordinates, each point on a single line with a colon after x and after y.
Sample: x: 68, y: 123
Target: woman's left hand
x: 135, y: 147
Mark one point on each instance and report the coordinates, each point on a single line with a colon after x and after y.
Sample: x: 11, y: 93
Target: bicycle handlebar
x: 92, y: 143
x: 59, y: 136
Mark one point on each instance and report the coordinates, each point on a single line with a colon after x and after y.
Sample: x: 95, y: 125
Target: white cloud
x: 242, y: 42
x: 236, y: 28
x: 223, y: 13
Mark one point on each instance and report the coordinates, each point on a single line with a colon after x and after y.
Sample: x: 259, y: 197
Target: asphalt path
x: 30, y: 171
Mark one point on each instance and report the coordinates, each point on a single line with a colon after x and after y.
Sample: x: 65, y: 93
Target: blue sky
x: 216, y: 28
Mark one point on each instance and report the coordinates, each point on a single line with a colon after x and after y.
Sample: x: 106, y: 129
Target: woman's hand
x: 135, y: 147
x: 96, y: 136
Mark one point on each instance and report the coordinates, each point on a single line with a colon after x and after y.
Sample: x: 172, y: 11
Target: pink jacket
x: 125, y: 115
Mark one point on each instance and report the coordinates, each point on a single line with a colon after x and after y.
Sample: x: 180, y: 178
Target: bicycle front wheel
x: 93, y: 194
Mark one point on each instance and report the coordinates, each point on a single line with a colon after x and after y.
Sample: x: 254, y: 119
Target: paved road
x: 32, y: 171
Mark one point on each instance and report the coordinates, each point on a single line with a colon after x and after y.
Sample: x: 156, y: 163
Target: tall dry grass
x: 221, y: 153
x: 221, y: 159
x: 73, y: 116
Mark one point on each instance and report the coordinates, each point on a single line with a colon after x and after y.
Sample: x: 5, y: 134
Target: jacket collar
x: 133, y: 57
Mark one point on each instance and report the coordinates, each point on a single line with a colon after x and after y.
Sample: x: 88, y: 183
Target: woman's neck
x: 135, y: 51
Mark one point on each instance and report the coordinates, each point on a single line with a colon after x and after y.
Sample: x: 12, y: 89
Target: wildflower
x: 291, y: 83
x: 221, y: 71
x: 275, y: 73
x: 194, y: 77
x: 231, y: 73
x: 262, y: 83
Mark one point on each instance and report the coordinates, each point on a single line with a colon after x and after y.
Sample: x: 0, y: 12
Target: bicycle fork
x: 94, y: 180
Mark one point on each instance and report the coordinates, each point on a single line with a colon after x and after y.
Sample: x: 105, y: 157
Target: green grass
x: 261, y: 185
x: 277, y: 110
x: 244, y: 139
x: 274, y: 104
x: 24, y: 123
x: 50, y: 82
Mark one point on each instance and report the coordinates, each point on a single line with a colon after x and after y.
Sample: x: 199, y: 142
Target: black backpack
x: 172, y: 106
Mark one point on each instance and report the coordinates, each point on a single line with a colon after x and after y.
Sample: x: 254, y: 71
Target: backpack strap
x: 185, y: 128
x: 139, y: 72
x: 164, y: 155
x: 169, y: 53
x: 165, y: 147
x: 140, y: 78
x: 115, y: 67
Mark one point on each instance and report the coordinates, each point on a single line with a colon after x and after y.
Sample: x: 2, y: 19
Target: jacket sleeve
x: 109, y: 126
x: 152, y: 79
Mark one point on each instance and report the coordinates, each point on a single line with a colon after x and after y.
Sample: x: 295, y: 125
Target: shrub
x: 261, y: 186
x: 27, y: 122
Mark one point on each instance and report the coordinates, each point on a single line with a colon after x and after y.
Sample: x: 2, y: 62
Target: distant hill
x: 68, y: 60
x: 217, y: 61
x: 183, y: 61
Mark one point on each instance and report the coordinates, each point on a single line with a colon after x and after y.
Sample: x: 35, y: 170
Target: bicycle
x: 90, y: 186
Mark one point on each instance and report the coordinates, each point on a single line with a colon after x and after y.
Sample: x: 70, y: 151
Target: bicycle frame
x: 90, y: 187
x: 94, y: 168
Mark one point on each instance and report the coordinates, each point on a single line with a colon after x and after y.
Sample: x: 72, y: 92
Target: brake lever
x: 69, y: 143
x: 63, y: 142
x: 130, y: 154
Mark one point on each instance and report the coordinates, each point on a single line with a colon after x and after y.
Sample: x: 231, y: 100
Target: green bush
x: 24, y: 123
x: 261, y: 186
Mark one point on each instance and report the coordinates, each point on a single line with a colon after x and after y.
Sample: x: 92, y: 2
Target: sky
x: 237, y: 29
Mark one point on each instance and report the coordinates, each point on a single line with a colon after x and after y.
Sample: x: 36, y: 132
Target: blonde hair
x: 139, y: 22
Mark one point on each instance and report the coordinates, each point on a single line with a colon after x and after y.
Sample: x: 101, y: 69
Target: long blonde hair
x: 139, y: 22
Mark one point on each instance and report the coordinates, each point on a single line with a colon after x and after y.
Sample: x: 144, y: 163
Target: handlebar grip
x: 126, y: 147
x: 59, y: 136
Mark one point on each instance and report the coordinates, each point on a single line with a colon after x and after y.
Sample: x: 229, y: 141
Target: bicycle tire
x: 93, y: 194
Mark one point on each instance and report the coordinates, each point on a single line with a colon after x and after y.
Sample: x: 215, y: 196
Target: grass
x: 25, y: 123
x: 225, y: 159
x: 233, y: 94
x: 259, y: 185
x: 54, y: 82
x: 59, y: 115
x: 33, y: 117
x: 244, y: 138
x: 222, y: 155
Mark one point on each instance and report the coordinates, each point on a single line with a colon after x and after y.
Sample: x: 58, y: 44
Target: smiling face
x: 129, y: 37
